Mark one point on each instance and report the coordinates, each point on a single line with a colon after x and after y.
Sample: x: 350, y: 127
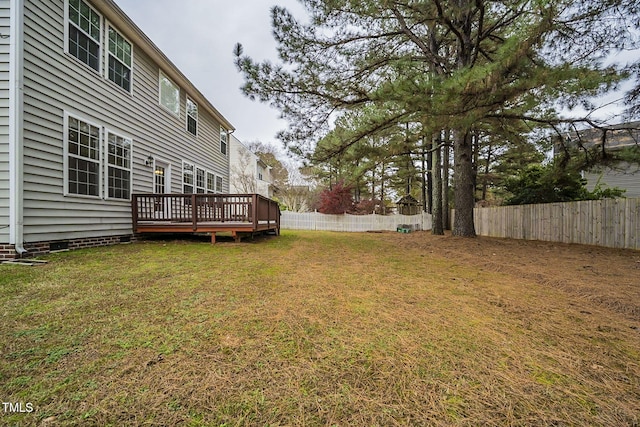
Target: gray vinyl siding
x: 4, y: 121
x: 623, y: 175
x: 56, y: 83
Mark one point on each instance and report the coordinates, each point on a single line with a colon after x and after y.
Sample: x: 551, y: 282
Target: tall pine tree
x: 453, y: 64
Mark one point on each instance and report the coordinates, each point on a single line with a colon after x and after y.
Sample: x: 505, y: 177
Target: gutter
x: 16, y: 127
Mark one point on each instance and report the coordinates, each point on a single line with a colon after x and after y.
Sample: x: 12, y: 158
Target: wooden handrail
x: 197, y: 208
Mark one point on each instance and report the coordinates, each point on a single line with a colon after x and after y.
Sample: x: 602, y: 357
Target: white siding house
x: 91, y: 111
x: 5, y: 17
x: 621, y: 174
x: 248, y: 174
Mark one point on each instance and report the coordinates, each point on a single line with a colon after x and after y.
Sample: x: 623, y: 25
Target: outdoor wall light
x: 149, y: 161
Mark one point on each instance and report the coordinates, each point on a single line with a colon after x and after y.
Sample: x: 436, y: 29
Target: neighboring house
x: 248, y: 174
x: 621, y: 174
x: 91, y: 112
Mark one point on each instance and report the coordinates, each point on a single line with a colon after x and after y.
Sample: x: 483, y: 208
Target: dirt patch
x: 605, y: 276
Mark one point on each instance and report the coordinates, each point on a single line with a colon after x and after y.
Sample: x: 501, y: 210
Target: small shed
x: 408, y: 205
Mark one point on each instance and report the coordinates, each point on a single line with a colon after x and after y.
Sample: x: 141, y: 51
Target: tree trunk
x: 464, y: 197
x: 383, y: 208
x: 429, y: 178
x: 475, y: 143
x: 425, y: 208
x: 487, y: 169
x: 446, y: 163
x: 437, y: 227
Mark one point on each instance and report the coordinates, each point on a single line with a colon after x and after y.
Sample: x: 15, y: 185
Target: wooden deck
x: 240, y: 214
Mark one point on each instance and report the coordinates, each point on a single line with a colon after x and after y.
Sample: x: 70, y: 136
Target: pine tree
x: 458, y: 64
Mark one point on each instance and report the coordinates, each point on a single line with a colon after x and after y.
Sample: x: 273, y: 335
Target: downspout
x: 228, y: 157
x: 16, y: 162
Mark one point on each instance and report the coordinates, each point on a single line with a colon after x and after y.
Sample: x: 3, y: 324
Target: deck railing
x: 200, y: 209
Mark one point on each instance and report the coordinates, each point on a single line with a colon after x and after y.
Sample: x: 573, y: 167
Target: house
x: 91, y: 113
x: 620, y: 173
x: 248, y: 173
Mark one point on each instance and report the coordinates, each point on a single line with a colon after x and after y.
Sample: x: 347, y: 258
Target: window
x: 223, y: 141
x: 83, y: 158
x: 118, y: 167
x: 187, y: 178
x: 97, y: 162
x: 84, y: 29
x: 219, y: 184
x: 119, y: 60
x: 200, y: 181
x: 192, y: 116
x: 169, y: 94
x: 160, y: 180
x: 211, y: 182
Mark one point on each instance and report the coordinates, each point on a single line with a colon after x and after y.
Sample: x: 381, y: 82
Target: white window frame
x: 67, y: 154
x: 211, y: 188
x: 162, y: 75
x: 224, y: 134
x: 220, y: 187
x: 108, y: 165
x: 67, y: 22
x: 107, y: 54
x: 191, y: 116
x: 193, y: 183
x: 200, y: 188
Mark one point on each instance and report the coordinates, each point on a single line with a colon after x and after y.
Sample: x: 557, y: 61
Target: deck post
x: 194, y: 212
x: 213, y: 237
x: 268, y: 213
x: 254, y: 210
x: 134, y: 212
x: 278, y: 217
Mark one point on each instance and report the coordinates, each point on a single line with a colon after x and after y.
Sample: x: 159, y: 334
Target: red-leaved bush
x: 336, y: 200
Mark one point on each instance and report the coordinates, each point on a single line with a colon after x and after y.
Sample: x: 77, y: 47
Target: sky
x: 198, y: 36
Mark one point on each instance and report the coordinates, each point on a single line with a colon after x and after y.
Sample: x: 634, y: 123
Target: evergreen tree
x: 553, y: 183
x: 457, y: 64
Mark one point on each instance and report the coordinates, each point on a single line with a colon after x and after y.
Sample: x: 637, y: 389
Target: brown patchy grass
x: 325, y: 329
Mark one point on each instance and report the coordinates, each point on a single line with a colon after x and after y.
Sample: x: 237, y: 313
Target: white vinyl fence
x: 611, y: 222
x: 352, y: 223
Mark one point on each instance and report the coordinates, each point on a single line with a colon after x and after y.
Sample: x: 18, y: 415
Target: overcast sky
x: 198, y: 36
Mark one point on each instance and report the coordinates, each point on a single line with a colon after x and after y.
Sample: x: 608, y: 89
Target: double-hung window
x: 192, y: 116
x: 223, y: 140
x: 118, y: 167
x: 187, y: 178
x: 200, y: 181
x: 84, y: 33
x: 211, y: 183
x: 97, y: 161
x: 169, y: 94
x: 119, y: 60
x: 219, y: 184
x: 83, y: 157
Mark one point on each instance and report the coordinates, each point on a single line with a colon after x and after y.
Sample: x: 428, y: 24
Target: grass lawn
x: 319, y: 328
